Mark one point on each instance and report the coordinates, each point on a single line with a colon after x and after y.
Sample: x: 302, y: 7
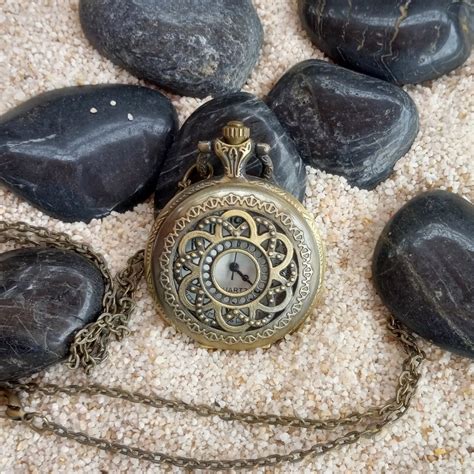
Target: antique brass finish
x: 12, y: 404
x: 234, y: 261
x: 235, y: 133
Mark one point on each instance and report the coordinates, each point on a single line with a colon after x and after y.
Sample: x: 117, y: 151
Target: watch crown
x: 235, y: 132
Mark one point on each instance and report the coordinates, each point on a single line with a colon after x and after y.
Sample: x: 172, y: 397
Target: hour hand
x: 245, y: 278
x: 234, y: 267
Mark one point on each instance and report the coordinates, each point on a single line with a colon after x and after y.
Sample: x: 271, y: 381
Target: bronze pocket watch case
x: 234, y: 261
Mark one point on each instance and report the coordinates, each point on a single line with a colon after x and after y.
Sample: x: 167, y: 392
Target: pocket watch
x: 234, y: 261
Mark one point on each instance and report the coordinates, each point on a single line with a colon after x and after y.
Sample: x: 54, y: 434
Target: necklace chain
x: 90, y: 346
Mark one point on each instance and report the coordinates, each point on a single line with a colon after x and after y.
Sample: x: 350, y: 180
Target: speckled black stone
x: 401, y: 41
x: 76, y: 165
x: 195, y: 48
x: 423, y: 269
x: 46, y: 295
x: 206, y: 124
x: 344, y: 122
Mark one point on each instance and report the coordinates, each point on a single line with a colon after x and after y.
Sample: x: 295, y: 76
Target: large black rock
x: 195, y: 48
x: 81, y: 152
x: 423, y: 269
x: 206, y: 124
x: 46, y: 295
x: 344, y: 122
x: 400, y: 41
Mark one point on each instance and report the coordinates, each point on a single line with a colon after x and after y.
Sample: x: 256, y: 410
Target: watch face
x: 235, y: 270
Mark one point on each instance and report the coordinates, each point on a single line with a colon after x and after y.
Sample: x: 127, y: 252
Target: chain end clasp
x: 12, y: 404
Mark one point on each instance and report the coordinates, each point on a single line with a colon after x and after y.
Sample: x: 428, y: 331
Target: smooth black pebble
x: 343, y: 122
x: 195, y: 48
x: 423, y: 269
x: 46, y: 296
x: 400, y: 41
x: 82, y: 152
x: 206, y: 124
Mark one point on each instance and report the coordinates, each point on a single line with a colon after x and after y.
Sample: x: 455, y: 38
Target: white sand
x: 342, y: 360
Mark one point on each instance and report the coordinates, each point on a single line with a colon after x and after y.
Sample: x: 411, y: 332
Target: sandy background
x: 342, y: 360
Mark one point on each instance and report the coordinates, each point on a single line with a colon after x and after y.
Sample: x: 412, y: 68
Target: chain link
x: 203, y: 167
x: 90, y: 348
x: 90, y: 345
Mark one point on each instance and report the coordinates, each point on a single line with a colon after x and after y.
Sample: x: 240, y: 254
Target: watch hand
x: 243, y: 276
x: 235, y: 265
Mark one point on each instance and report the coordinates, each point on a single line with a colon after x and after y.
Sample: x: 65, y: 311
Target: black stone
x: 46, y: 295
x: 195, y: 48
x: 206, y: 124
x: 344, y: 122
x: 400, y: 41
x: 76, y: 165
x: 423, y: 269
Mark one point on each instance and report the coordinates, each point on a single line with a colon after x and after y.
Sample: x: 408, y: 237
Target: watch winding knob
x: 235, y: 132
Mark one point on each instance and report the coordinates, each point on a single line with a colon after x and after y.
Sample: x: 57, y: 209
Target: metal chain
x: 203, y: 167
x: 90, y: 347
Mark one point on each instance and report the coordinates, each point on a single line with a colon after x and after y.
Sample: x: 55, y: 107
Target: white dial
x: 235, y: 272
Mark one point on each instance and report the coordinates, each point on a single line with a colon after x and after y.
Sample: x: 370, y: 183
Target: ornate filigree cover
x: 234, y: 262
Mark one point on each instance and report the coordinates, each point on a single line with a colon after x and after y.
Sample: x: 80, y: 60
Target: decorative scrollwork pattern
x: 254, y: 239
